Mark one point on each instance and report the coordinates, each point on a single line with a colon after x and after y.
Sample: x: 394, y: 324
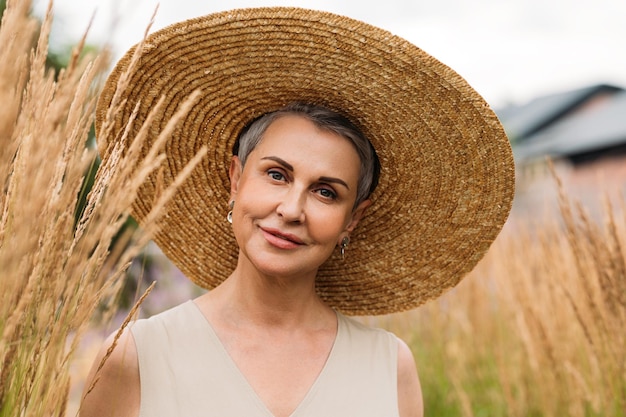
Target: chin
x: 280, y: 267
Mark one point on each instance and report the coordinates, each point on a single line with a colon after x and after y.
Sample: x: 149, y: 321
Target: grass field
x: 536, y: 330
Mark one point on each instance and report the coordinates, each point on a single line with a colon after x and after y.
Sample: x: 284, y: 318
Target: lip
x: 280, y: 239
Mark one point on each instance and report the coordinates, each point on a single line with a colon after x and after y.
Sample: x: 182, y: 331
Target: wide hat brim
x: 447, y: 172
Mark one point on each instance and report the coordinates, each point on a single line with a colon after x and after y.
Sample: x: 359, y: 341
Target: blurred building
x: 583, y: 132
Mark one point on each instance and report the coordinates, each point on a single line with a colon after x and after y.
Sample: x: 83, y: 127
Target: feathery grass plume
x: 54, y: 269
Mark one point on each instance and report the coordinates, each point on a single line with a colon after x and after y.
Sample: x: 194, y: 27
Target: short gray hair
x: 325, y: 119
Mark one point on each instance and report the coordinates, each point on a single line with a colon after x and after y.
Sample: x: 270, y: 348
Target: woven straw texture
x: 447, y: 177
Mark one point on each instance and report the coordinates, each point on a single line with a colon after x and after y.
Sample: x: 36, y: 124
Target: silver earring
x: 229, y: 216
x: 344, y: 244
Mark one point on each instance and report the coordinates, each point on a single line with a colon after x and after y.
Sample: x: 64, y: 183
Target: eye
x: 327, y: 193
x: 276, y: 175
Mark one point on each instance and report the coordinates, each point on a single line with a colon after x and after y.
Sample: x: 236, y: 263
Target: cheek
x: 252, y: 191
x: 327, y: 226
x: 253, y: 198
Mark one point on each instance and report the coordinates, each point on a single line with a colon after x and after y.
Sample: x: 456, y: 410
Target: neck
x: 247, y: 296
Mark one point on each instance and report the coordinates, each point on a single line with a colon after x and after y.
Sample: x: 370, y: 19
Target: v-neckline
x: 253, y: 395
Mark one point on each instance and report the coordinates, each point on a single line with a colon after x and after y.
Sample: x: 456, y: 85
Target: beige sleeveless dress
x: 186, y: 371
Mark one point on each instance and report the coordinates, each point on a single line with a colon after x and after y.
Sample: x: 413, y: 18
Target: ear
x: 357, y: 214
x: 235, y: 174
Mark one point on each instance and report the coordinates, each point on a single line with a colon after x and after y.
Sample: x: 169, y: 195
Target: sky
x: 510, y: 51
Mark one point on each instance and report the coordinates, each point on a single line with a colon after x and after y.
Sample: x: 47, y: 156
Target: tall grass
x: 56, y: 265
x: 538, y: 329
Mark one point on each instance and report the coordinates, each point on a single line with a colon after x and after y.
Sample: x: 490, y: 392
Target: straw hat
x: 447, y: 173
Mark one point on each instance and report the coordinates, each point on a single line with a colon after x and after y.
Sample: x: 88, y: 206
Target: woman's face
x: 294, y: 198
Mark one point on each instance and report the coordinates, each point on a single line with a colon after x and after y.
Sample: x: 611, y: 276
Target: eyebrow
x: 289, y: 167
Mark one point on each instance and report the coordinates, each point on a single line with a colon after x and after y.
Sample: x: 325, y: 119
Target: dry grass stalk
x: 56, y: 270
x: 131, y: 315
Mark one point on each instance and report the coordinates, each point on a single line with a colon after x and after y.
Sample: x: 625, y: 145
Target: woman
x: 308, y: 235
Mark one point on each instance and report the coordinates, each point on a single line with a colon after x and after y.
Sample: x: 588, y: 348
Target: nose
x: 291, y: 206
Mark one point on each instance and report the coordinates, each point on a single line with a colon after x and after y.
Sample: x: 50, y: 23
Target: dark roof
x: 599, y: 127
x: 523, y: 121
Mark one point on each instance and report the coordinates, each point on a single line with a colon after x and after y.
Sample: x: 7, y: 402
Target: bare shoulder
x: 410, y: 402
x: 112, y: 387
